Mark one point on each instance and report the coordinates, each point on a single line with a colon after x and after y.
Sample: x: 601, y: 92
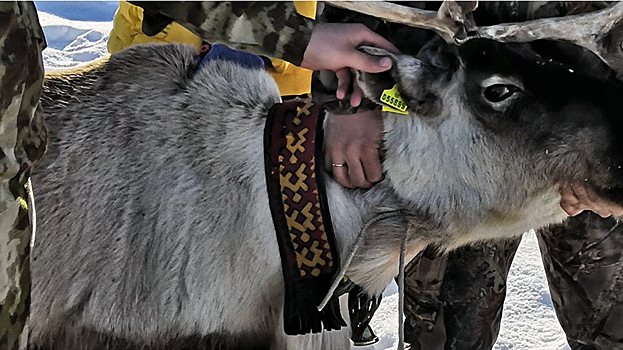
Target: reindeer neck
x: 376, y: 260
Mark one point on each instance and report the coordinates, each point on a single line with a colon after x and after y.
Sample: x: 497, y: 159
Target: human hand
x: 352, y: 148
x: 575, y: 198
x: 333, y: 46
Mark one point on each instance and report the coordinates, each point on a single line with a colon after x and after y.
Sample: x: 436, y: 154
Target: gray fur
x: 154, y: 223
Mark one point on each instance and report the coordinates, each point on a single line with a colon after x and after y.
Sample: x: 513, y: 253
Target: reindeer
x: 154, y: 225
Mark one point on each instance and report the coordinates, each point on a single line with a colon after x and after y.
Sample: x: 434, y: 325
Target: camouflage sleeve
x: 22, y: 144
x: 273, y: 29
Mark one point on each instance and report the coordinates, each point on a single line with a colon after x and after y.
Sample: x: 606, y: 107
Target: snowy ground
x: 77, y: 33
x: 71, y: 43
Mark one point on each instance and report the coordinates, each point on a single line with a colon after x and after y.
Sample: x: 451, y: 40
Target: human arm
x: 275, y: 29
x: 333, y: 46
x: 256, y: 27
x: 272, y: 29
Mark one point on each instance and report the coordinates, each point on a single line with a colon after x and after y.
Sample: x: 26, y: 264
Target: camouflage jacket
x: 22, y: 143
x: 272, y: 29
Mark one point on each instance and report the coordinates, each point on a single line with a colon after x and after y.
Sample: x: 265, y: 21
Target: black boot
x: 361, y: 308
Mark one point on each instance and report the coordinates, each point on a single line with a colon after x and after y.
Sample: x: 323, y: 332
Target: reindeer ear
x: 404, y: 70
x: 373, y: 84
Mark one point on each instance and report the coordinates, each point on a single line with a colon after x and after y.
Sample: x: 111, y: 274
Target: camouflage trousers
x: 22, y: 143
x: 455, y: 301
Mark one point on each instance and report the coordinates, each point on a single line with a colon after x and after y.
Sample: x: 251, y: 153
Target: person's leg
x: 455, y: 301
x: 424, y: 317
x: 22, y: 143
x: 584, y: 265
x: 473, y: 293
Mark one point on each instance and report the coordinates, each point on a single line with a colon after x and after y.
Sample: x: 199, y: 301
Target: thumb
x: 370, y: 64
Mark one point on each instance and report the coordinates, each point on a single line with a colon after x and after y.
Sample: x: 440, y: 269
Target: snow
x: 72, y: 43
x: 529, y: 320
x: 77, y: 34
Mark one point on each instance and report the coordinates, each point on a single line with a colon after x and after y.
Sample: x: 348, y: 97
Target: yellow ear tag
x: 393, y: 102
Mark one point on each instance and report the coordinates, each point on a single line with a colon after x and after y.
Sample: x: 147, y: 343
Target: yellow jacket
x: 292, y: 80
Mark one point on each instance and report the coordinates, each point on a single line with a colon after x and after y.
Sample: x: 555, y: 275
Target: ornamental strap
x: 309, y: 257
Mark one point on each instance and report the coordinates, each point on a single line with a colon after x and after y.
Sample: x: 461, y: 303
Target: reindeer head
x: 502, y: 115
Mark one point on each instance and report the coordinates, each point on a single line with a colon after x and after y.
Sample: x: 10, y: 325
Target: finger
x: 327, y: 165
x: 344, y: 81
x: 569, y: 201
x: 570, y: 210
x: 357, y: 94
x: 328, y: 159
x: 357, y: 176
x: 588, y: 200
x: 599, y: 207
x: 584, y: 196
x: 604, y: 213
x: 340, y: 175
x: 617, y: 211
x: 567, y: 196
x: 368, y: 63
x: 372, y: 167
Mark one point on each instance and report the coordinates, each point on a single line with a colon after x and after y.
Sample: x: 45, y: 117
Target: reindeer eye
x: 500, y: 92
